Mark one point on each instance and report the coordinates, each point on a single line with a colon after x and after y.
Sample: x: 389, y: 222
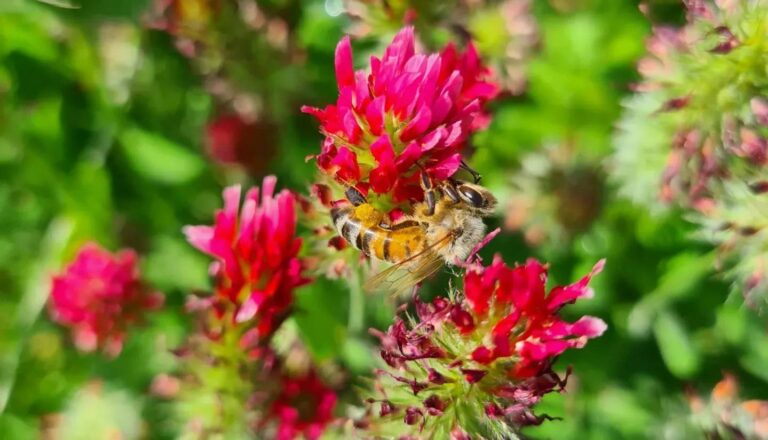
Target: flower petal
x: 345, y: 73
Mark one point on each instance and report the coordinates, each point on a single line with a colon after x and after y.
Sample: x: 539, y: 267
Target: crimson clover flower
x: 99, y: 296
x: 697, y: 130
x: 257, y: 266
x: 700, y: 113
x: 303, y: 407
x: 474, y: 365
x: 411, y: 112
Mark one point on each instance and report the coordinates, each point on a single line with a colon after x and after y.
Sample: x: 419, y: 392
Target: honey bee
x: 443, y: 229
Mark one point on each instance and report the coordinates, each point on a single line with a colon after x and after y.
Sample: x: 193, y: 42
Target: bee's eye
x: 472, y: 197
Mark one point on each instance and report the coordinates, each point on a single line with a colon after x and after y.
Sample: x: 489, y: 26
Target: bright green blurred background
x: 103, y: 136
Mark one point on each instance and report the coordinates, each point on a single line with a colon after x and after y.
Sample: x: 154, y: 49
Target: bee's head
x: 476, y: 198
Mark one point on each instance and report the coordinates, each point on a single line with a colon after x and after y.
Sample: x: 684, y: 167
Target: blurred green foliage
x: 102, y: 136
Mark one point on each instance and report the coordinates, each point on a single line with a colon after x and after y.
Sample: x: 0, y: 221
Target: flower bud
x: 413, y: 416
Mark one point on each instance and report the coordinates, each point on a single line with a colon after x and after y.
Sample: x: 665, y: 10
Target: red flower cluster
x: 100, y: 296
x: 412, y: 112
x: 257, y: 267
x: 526, y: 322
x: 303, y: 408
x: 501, y: 339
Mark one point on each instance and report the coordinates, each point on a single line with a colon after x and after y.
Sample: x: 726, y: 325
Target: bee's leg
x: 355, y: 196
x: 475, y: 175
x: 430, y: 193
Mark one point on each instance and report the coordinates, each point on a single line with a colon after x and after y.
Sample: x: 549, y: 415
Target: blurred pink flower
x: 257, y: 266
x: 303, y: 408
x: 165, y: 386
x: 412, y: 112
x: 100, y: 296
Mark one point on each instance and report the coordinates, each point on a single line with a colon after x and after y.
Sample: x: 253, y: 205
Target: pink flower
x: 257, y: 266
x: 100, y: 296
x: 412, y: 112
x: 304, y: 407
x: 500, y: 339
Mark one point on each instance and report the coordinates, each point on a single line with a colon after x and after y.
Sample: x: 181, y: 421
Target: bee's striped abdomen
x: 348, y: 227
x: 393, y: 244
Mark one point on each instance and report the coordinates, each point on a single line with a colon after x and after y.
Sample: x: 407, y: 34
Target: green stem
x: 356, y: 304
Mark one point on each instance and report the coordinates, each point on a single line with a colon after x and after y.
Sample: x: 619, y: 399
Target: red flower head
x: 304, y: 407
x: 494, y: 347
x: 526, y: 324
x: 256, y: 249
x: 99, y: 296
x: 412, y: 112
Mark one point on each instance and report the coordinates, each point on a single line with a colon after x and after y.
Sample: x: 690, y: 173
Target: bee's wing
x: 409, y: 272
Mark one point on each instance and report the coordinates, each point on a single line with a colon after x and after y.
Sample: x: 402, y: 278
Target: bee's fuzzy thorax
x: 466, y: 226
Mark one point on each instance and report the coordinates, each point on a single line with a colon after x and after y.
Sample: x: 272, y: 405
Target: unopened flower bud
x: 473, y: 376
x: 434, y: 405
x: 386, y: 408
x: 435, y: 377
x: 413, y: 415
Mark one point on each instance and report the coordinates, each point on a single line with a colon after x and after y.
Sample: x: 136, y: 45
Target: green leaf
x: 756, y: 358
x: 158, y: 158
x: 321, y: 316
x: 731, y: 323
x: 190, y: 267
x: 90, y: 200
x: 684, y: 272
x: 58, y: 237
x: 357, y: 354
x: 675, y: 345
x: 104, y: 9
x: 622, y: 408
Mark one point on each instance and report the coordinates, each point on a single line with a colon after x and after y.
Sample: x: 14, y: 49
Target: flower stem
x: 356, y: 304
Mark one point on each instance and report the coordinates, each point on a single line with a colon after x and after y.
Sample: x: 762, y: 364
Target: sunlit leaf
x: 158, y: 158
x: 675, y: 345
